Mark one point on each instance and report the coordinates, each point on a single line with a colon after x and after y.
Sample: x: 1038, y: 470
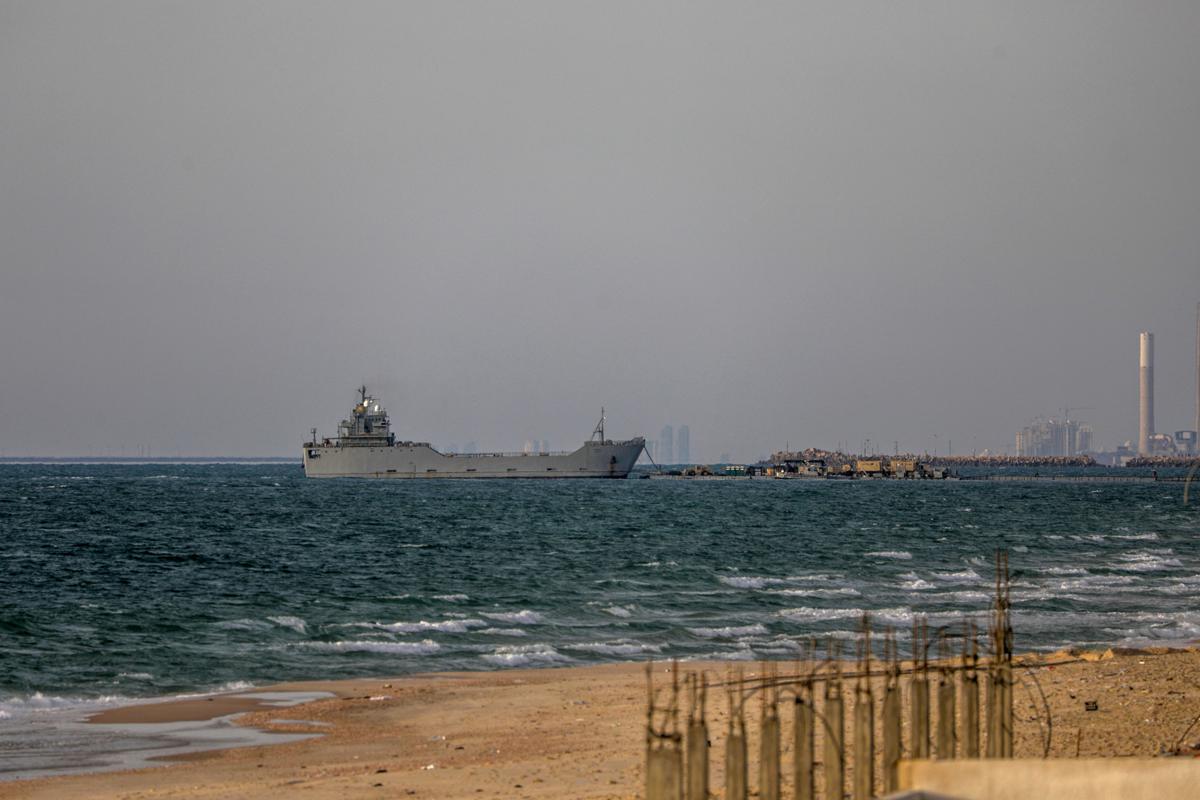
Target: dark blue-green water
x: 146, y: 580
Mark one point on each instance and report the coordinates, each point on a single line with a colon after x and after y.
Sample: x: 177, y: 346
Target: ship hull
x: 415, y: 461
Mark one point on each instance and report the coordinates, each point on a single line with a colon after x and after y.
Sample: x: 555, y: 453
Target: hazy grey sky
x: 772, y: 221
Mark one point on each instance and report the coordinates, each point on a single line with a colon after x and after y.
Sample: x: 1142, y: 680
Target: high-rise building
x: 683, y: 444
x: 666, y: 445
x: 1052, y: 437
x: 1083, y: 439
x: 1145, y: 393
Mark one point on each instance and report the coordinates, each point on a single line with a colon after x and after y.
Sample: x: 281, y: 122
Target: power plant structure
x: 1145, y: 393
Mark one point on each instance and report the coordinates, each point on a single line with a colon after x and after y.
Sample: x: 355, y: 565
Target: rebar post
x: 697, y: 740
x: 947, y: 738
x: 803, y: 734
x: 835, y: 732
x: 664, y: 759
x: 864, y: 720
x: 736, y: 783
x: 893, y: 744
x: 919, y: 690
x: 769, y: 745
x: 970, y: 694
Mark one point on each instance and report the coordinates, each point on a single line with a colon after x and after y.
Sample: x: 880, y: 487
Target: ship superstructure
x: 365, y: 447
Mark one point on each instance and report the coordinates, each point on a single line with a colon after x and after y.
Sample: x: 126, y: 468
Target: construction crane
x: 1067, y: 410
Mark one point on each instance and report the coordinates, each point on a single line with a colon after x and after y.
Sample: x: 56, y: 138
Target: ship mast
x: 599, y: 431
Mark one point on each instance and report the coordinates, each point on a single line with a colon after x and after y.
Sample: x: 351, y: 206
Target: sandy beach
x: 574, y: 732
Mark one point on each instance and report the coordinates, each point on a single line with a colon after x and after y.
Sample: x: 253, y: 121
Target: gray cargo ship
x: 365, y: 447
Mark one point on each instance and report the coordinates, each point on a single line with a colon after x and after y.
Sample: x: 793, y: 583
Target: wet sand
x: 576, y: 732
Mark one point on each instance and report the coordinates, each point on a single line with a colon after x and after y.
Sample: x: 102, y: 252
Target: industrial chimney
x: 1196, y: 423
x: 1146, y: 393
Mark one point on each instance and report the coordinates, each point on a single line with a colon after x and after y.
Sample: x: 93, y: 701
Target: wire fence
x: 959, y: 703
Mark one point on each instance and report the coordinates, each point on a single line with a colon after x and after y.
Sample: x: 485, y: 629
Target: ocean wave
x: 233, y: 686
x: 917, y: 584
x: 1062, y: 571
x: 957, y: 577
x: 1149, y: 561
x: 749, y: 581
x: 900, y: 555
x: 295, y: 623
x: 421, y: 626
x: 806, y: 614
x: 243, y: 624
x: 621, y: 647
x: 729, y: 632
x: 451, y: 598
x: 624, y: 612
x: 525, y: 655
x: 503, y: 632
x: 523, y: 617
x: 421, y: 648
x: 817, y: 592
x: 20, y: 706
x: 965, y: 596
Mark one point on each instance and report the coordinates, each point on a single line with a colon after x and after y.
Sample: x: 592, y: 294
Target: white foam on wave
x: 524, y: 655
x: 523, y: 617
x: 817, y: 592
x: 620, y: 647
x: 503, y: 632
x: 1148, y: 561
x: 807, y: 614
x: 749, y: 581
x: 421, y: 626
x: 295, y: 623
x: 917, y: 584
x: 900, y: 555
x: 730, y: 631
x: 1149, y: 536
x: 233, y: 686
x: 451, y: 598
x: 421, y: 648
x: 20, y: 706
x: 1063, y: 571
x: 624, y: 612
x: 243, y: 624
x: 957, y: 577
x: 742, y: 654
x: 966, y: 596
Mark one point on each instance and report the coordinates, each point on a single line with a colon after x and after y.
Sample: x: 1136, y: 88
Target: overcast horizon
x: 783, y: 223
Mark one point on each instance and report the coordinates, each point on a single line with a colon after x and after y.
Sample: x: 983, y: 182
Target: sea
x: 124, y: 582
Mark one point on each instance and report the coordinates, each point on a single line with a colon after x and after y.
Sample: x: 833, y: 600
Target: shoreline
x: 549, y: 731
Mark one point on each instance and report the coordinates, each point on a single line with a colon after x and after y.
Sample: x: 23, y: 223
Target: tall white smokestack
x: 1196, y: 423
x: 1146, y: 393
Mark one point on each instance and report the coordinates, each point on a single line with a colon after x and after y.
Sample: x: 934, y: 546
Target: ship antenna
x: 362, y: 390
x: 599, y: 427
